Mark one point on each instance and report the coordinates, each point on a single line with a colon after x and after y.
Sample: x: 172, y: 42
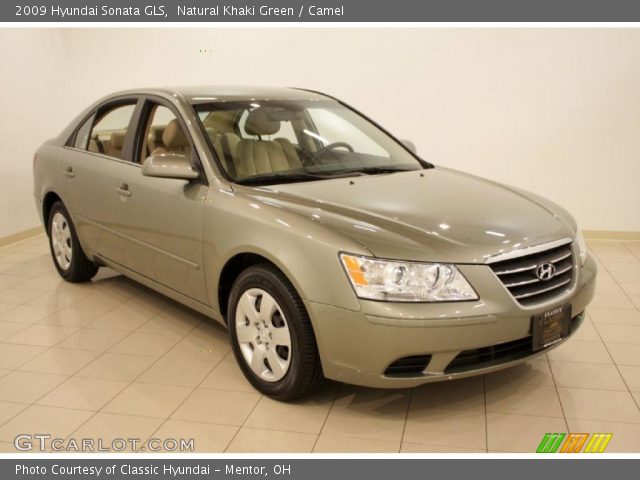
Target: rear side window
x: 110, y: 130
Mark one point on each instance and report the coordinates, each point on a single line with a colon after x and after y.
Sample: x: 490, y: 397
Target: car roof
x: 226, y: 93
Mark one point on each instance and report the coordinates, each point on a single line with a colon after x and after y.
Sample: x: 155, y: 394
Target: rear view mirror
x: 410, y: 145
x: 169, y: 166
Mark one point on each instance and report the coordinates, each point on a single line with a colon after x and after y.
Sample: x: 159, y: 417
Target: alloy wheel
x: 263, y: 334
x: 61, y: 240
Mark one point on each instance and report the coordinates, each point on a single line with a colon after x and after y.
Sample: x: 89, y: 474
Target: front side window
x: 262, y: 142
x: 110, y: 130
x: 164, y: 134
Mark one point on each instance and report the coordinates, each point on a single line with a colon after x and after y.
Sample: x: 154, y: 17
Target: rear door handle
x: 69, y: 172
x: 123, y: 190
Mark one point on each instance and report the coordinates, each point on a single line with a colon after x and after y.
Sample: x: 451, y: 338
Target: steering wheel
x: 333, y: 146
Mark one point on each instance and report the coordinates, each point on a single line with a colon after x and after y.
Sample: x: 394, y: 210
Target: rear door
x: 159, y: 219
x: 87, y: 168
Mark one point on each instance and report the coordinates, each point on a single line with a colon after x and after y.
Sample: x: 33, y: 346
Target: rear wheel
x: 68, y: 257
x: 272, y: 336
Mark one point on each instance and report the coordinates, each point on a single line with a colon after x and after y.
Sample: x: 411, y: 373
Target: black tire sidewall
x: 265, y: 279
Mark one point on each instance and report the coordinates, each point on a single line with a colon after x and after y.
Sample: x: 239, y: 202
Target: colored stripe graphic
x: 574, y: 443
x: 550, y: 442
x: 598, y: 442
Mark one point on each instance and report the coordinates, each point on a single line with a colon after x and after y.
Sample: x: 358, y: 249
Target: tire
x: 287, y: 374
x: 68, y: 257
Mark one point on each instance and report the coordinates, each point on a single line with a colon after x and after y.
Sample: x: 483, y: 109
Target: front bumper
x: 357, y: 347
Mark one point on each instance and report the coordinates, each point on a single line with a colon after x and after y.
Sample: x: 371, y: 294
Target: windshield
x: 260, y: 142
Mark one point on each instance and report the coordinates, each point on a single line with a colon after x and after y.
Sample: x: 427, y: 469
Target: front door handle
x: 69, y: 172
x: 123, y: 190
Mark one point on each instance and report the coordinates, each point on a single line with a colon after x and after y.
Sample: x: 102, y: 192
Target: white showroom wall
x: 555, y: 111
x: 32, y: 104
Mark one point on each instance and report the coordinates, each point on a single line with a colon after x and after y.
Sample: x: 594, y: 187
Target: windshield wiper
x: 376, y: 170
x: 274, y: 178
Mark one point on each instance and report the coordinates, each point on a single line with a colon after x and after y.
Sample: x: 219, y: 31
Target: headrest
x: 221, y: 121
x: 117, y: 139
x: 259, y: 123
x: 155, y: 134
x: 173, y: 136
x: 211, y: 132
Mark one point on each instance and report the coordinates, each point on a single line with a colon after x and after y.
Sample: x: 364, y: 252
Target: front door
x: 159, y: 220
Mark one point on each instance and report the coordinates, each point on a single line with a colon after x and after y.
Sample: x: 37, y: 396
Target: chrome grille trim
x: 544, y: 290
x: 531, y: 266
x: 519, y: 284
x: 516, y: 272
x: 561, y: 257
x: 527, y: 251
x: 566, y: 269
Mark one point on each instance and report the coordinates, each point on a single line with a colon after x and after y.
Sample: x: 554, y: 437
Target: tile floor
x: 111, y: 359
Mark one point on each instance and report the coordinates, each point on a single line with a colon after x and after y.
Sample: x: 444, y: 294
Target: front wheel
x: 68, y: 256
x: 272, y: 336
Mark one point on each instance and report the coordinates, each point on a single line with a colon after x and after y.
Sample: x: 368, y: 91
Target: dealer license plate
x: 551, y: 327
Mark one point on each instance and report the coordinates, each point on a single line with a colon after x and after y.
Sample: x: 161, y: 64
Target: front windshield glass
x: 260, y: 142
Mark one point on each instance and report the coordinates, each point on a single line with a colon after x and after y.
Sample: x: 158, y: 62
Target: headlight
x: 582, y: 247
x: 398, y: 281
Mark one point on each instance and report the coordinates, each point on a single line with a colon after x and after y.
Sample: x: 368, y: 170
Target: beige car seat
x: 225, y: 145
x: 174, y: 141
x: 94, y: 144
x: 221, y: 121
x: 289, y: 150
x: 154, y: 138
x: 257, y: 157
x: 114, y: 146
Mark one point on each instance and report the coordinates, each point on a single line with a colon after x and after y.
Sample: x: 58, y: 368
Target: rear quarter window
x: 82, y: 135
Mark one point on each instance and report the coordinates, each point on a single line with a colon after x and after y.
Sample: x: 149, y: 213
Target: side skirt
x: 168, y: 292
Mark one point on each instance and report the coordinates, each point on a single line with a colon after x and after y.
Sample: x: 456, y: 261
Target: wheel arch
x: 47, y: 202
x: 234, y: 266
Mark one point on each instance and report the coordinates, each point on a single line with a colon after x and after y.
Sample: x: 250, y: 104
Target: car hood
x: 438, y: 214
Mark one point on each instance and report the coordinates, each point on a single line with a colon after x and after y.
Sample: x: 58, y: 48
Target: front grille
x: 519, y: 275
x: 408, y: 366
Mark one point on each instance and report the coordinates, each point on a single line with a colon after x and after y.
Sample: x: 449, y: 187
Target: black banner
x: 317, y: 469
x: 320, y: 11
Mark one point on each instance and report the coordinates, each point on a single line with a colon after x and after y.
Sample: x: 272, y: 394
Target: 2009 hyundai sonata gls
x: 327, y: 246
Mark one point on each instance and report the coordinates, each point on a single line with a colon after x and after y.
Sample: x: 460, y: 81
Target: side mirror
x: 169, y: 166
x: 410, y: 145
